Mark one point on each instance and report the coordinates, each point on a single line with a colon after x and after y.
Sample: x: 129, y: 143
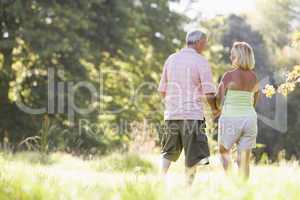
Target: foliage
x: 103, y: 43
x: 280, y: 35
x: 230, y: 29
x: 276, y: 32
x: 292, y: 79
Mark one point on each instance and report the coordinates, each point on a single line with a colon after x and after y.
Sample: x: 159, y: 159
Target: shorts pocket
x: 201, y: 135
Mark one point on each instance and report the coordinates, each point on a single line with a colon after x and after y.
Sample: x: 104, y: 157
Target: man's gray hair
x: 194, y: 36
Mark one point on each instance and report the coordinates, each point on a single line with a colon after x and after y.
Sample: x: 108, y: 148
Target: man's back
x: 186, y: 76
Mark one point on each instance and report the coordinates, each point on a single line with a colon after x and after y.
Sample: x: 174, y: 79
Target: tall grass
x: 124, y: 163
x: 116, y: 177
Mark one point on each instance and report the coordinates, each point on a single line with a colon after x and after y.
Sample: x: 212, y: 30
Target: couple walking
x: 186, y: 84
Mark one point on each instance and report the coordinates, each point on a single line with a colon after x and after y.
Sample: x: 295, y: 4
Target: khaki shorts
x: 188, y: 135
x: 238, y: 130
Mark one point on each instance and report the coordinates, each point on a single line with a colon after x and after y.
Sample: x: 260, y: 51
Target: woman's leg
x: 244, y: 163
x: 225, y: 157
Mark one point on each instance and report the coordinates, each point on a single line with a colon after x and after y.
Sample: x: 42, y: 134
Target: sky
x: 211, y: 8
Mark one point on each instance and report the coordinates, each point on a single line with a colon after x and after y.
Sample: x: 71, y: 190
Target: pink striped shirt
x: 186, y: 76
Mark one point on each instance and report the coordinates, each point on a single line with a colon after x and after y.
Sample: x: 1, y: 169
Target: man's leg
x: 171, y: 145
x: 190, y: 173
x: 165, y: 165
x: 195, y: 147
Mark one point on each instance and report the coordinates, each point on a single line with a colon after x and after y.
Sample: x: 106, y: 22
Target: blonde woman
x: 237, y: 96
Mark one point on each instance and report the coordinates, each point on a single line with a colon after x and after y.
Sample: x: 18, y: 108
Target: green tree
x: 276, y: 18
x: 79, y: 40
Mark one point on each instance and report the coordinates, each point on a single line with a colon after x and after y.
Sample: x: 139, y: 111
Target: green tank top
x: 238, y: 103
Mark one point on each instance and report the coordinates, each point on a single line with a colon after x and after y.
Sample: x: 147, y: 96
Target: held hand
x: 216, y: 114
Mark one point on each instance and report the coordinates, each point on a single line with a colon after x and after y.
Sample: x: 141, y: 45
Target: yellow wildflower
x: 297, y: 69
x: 269, y: 90
x: 292, y: 76
x: 286, y: 88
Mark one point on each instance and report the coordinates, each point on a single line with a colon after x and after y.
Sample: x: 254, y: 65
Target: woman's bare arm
x: 256, y: 90
x: 256, y: 94
x: 220, y: 95
x: 256, y: 98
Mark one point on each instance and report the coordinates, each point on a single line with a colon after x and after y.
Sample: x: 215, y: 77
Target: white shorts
x: 238, y: 130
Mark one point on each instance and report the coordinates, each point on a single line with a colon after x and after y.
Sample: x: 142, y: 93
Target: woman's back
x: 243, y: 80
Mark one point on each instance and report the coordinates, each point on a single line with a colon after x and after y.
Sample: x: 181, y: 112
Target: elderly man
x: 185, y: 79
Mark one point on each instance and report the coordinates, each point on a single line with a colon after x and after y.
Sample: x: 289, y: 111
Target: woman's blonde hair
x: 242, y: 56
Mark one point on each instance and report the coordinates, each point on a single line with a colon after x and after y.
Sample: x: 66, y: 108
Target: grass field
x: 57, y: 176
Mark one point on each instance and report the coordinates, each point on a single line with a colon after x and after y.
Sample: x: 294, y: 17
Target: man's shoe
x: 204, y: 161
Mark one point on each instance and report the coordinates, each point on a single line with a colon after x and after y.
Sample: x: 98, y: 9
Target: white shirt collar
x: 188, y: 49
